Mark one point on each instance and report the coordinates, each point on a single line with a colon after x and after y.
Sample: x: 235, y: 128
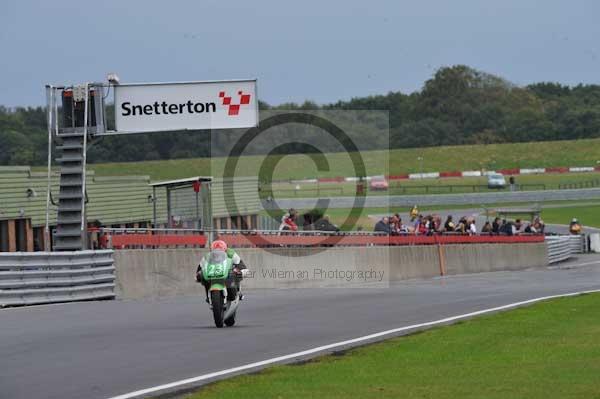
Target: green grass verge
x: 588, y: 215
x: 401, y: 161
x: 548, y: 350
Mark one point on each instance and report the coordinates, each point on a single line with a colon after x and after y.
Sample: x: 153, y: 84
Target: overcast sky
x: 317, y: 50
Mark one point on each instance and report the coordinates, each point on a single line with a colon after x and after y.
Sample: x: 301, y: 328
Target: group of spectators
x: 421, y: 225
x: 432, y: 224
x: 322, y: 223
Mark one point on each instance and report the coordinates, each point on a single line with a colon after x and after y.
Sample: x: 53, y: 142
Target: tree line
x: 458, y: 105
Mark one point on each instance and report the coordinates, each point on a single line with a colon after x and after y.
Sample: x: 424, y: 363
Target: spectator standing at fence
x: 518, y: 225
x: 487, y: 228
x: 394, y: 224
x: 383, y: 226
x: 539, y: 225
x: 414, y: 213
x: 496, y: 226
x: 575, y: 227
x: 461, y: 227
x: 401, y: 228
x: 530, y: 229
x: 471, y: 227
x: 508, y: 228
x: 324, y: 224
x: 417, y: 223
x: 431, y: 225
x: 288, y: 222
x: 449, y: 226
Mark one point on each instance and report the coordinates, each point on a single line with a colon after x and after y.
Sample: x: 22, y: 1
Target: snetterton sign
x: 150, y: 107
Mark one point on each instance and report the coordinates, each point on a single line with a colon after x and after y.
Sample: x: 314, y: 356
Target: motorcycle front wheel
x: 216, y: 299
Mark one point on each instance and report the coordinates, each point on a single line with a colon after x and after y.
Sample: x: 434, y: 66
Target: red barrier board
x: 450, y: 174
x: 397, y: 177
x: 258, y: 240
x: 157, y: 240
x: 514, y: 171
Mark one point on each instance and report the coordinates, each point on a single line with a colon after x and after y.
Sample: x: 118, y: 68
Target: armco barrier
x: 28, y: 278
x: 168, y: 272
x: 561, y: 248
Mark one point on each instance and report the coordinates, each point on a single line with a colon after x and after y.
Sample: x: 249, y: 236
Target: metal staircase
x: 70, y: 230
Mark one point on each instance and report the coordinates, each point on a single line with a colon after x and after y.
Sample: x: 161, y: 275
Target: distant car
x: 496, y: 180
x: 379, y: 183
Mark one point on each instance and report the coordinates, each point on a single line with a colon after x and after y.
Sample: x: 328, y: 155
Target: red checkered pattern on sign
x: 233, y: 108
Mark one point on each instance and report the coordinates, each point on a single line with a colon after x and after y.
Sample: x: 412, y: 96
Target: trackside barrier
x: 29, y: 278
x: 561, y: 248
x: 140, y: 238
x: 137, y: 238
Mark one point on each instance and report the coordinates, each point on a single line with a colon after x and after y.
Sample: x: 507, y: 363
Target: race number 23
x: 215, y: 270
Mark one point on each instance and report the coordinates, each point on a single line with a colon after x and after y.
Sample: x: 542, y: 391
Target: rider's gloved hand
x: 237, y: 271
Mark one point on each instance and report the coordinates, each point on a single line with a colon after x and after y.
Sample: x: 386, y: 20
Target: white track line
x: 323, y: 348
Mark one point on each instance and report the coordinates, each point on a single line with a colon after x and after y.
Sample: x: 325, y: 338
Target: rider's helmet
x: 219, y: 245
x: 574, y: 220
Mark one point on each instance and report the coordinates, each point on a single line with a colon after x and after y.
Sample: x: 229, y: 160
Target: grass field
x: 455, y: 158
x: 588, y: 215
x: 548, y: 350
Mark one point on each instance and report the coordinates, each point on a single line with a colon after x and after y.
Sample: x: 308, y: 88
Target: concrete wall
x: 170, y: 272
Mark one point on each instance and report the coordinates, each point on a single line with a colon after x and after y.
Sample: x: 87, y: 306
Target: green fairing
x: 216, y: 266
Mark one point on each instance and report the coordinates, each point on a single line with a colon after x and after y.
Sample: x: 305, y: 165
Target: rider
x: 238, y: 267
x: 575, y: 227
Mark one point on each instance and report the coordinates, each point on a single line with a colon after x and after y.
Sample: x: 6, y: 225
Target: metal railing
x: 29, y: 278
x: 563, y: 247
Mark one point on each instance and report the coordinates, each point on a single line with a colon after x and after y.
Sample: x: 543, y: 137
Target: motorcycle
x: 224, y: 296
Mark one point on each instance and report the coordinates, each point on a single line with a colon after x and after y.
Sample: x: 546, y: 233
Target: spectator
x: 437, y: 224
x: 394, y: 221
x: 417, y: 223
x: 575, y: 227
x: 383, y: 226
x: 414, y: 213
x: 400, y: 227
x: 462, y: 225
x: 324, y: 224
x: 421, y: 225
x: 539, y: 225
x: 487, y: 228
x: 496, y: 226
x: 288, y: 221
x: 471, y: 227
x: 449, y: 225
x: 518, y: 224
x: 508, y: 228
x: 430, y: 225
x: 530, y: 229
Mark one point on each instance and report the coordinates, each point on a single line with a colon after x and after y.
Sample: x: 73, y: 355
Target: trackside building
x: 113, y: 201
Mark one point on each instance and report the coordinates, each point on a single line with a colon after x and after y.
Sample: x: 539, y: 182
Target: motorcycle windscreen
x: 217, y: 266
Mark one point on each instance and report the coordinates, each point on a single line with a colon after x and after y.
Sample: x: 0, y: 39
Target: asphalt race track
x: 103, y: 349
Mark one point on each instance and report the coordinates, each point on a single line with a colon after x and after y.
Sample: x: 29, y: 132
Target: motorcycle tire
x: 229, y: 322
x: 216, y: 299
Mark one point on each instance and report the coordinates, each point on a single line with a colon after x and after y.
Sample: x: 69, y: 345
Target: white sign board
x: 185, y: 106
